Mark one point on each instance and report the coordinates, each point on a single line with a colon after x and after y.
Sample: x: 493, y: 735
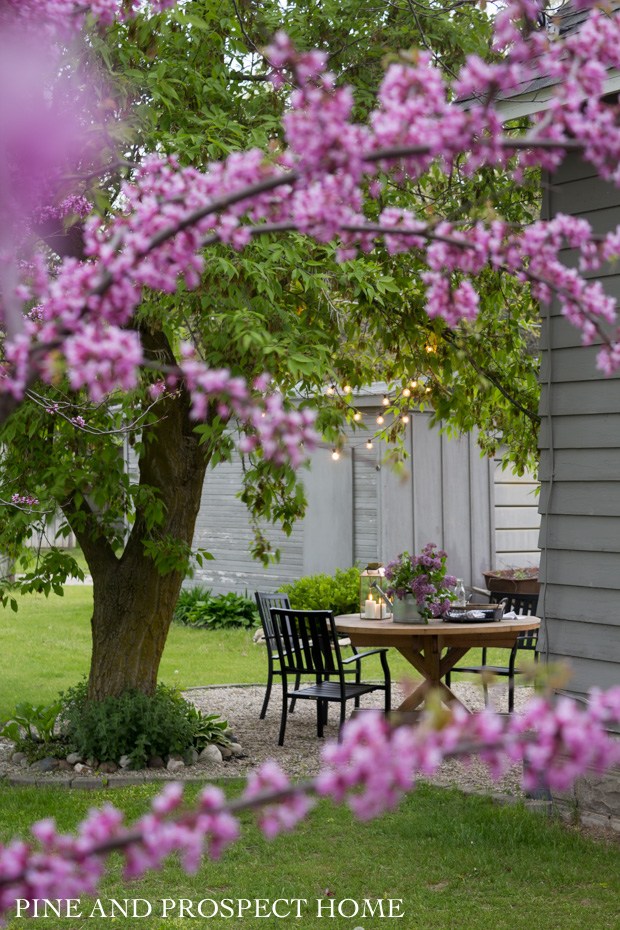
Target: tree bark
x: 133, y: 601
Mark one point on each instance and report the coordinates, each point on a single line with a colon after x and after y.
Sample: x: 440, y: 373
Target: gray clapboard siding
x: 580, y: 431
x: 581, y: 498
x: 583, y: 568
x: 585, y: 605
x: 580, y: 398
x: 590, y: 533
x: 594, y: 640
x: 586, y: 673
x: 516, y: 519
x: 580, y: 464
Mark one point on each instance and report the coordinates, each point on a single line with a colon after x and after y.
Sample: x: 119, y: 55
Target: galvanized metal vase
x: 406, y: 610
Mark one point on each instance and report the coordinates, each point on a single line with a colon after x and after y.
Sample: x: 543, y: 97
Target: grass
x: 45, y: 648
x: 457, y: 863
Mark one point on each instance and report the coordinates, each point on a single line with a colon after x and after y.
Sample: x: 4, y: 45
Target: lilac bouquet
x: 424, y: 576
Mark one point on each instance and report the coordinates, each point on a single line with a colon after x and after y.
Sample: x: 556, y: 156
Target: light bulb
x: 331, y: 389
x: 335, y: 455
x: 406, y: 392
x: 385, y: 401
x: 369, y: 444
x: 413, y: 384
x: 404, y: 418
x: 380, y: 419
x: 346, y: 389
x: 357, y: 416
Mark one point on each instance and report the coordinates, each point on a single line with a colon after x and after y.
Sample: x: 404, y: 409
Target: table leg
x: 427, y: 660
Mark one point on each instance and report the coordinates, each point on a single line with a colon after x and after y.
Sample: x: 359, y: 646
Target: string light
x: 335, y: 455
x: 428, y: 390
x: 385, y: 401
x: 380, y: 419
x: 404, y: 418
x: 331, y: 390
x: 347, y: 389
x: 413, y: 384
x: 406, y: 392
x: 357, y: 416
x: 369, y: 444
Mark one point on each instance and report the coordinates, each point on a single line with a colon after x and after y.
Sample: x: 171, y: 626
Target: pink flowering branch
x: 371, y: 769
x: 319, y: 186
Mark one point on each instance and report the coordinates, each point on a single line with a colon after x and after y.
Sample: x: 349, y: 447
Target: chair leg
x: 387, y: 680
x: 320, y: 717
x: 284, y: 712
x: 343, y: 715
x: 294, y: 700
x: 267, y: 694
x: 485, y: 689
x: 511, y: 693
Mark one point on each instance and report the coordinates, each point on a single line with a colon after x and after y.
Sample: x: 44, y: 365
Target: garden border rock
x: 240, y: 704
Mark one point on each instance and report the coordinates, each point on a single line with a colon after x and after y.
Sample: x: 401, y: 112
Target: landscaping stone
x: 191, y: 757
x: 226, y: 752
x: 80, y: 769
x: 210, y: 753
x: 19, y: 758
x: 74, y: 757
x: 156, y: 762
x: 124, y: 762
x: 48, y: 764
x: 175, y: 763
x: 237, y: 749
x: 108, y: 767
x: 64, y: 766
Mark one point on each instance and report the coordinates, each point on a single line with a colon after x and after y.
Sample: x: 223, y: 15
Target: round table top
x: 353, y: 623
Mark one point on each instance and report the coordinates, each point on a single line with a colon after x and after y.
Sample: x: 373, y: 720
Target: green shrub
x: 135, y: 724
x: 339, y: 593
x: 198, y: 607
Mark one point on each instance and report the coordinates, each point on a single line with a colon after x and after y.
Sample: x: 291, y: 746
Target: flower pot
x: 505, y: 581
x: 406, y: 610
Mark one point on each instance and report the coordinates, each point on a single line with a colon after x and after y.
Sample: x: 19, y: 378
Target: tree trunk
x: 133, y: 601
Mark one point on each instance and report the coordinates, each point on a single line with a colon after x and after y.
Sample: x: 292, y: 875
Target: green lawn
x: 45, y: 648
x: 457, y: 863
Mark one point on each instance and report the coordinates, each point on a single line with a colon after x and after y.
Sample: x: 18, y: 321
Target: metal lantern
x: 372, y: 605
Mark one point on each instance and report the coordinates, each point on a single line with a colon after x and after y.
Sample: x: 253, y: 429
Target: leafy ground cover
x: 457, y: 863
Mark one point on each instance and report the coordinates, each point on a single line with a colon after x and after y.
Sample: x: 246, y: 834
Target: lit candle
x: 369, y: 611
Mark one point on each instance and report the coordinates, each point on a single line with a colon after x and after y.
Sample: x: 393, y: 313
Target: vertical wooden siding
x: 580, y: 468
x: 360, y: 510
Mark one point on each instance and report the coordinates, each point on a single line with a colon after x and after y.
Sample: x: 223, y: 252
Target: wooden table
x: 423, y: 644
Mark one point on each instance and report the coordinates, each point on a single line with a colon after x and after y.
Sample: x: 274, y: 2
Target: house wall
x: 580, y: 469
x: 517, y: 521
x: 361, y: 510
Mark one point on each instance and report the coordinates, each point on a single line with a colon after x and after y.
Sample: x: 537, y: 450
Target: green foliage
x: 208, y: 728
x: 339, y: 593
x: 197, y: 607
x: 135, y: 724
x: 35, y: 721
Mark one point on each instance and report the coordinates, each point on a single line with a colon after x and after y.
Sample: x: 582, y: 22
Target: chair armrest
x: 362, y: 655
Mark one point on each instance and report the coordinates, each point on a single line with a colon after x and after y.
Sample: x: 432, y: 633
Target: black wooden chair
x: 307, y: 642
x: 264, y: 602
x: 526, y: 604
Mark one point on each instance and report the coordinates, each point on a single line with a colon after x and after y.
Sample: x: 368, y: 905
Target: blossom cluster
x: 371, y: 768
x: 425, y: 577
x: 320, y: 184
